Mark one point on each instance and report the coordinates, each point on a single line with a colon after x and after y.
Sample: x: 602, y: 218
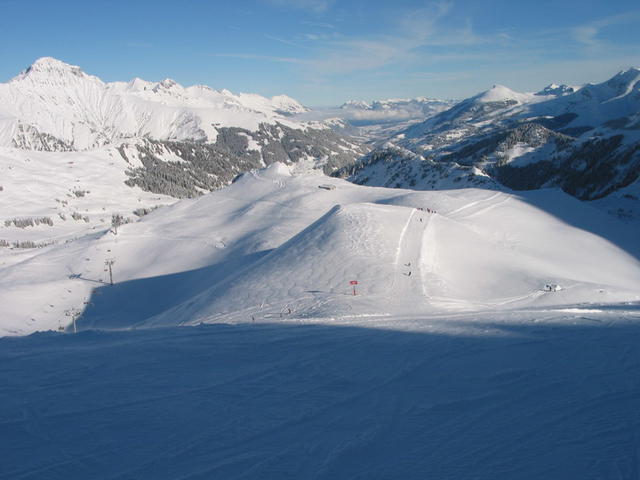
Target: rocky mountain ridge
x: 585, y: 141
x: 179, y: 141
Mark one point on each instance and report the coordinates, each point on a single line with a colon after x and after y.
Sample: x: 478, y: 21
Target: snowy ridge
x: 500, y: 93
x: 583, y: 140
x: 555, y: 89
x: 79, y: 110
x: 214, y: 135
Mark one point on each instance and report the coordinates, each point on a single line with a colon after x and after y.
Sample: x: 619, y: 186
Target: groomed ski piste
x: 492, y: 335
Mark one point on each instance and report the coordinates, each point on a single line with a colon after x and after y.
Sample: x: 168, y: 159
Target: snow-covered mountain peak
x: 168, y: 86
x: 631, y: 72
x: 620, y: 85
x: 355, y: 104
x: 52, y: 65
x: 500, y: 93
x: 287, y: 105
x: 625, y: 80
x: 585, y: 141
x: 139, y: 85
x: 77, y: 111
x: 557, y: 90
x: 48, y: 70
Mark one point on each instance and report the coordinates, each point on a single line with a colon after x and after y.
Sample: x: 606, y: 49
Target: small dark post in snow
x: 108, y: 263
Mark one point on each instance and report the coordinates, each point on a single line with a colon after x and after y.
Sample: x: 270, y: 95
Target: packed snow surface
x: 540, y: 394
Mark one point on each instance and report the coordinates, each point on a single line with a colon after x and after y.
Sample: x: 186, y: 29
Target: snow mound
x: 277, y: 169
x: 501, y: 251
x: 352, y: 242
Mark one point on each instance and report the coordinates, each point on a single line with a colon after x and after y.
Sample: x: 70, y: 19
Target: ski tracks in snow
x: 483, y: 205
x: 408, y: 278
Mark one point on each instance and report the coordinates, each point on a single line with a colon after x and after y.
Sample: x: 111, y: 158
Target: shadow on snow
x: 525, y: 401
x: 126, y: 304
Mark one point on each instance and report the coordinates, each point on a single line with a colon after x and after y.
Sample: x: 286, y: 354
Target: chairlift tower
x: 73, y: 313
x: 108, y: 264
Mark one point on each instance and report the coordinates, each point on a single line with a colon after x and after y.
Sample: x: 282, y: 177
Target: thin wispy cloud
x: 284, y: 41
x: 589, y: 34
x: 268, y: 58
x: 316, y: 6
x: 333, y: 53
x: 319, y: 25
x: 415, y: 29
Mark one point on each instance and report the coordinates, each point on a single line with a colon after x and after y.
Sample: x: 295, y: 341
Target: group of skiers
x: 428, y: 210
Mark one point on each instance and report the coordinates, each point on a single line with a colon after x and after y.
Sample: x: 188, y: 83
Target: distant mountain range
x: 183, y: 141
x: 54, y: 100
x: 214, y: 135
x: 583, y: 140
x: 393, y: 110
x: 374, y: 122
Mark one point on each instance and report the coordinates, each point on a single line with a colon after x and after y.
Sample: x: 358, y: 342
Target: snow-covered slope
x: 274, y: 245
x: 624, y: 203
x: 79, y: 110
x: 585, y: 141
x: 514, y: 395
x: 53, y: 197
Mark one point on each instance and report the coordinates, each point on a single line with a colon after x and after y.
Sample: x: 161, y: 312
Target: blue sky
x: 323, y: 52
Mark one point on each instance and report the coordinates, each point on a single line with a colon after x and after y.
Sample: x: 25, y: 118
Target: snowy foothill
x: 55, y: 208
x: 274, y: 242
